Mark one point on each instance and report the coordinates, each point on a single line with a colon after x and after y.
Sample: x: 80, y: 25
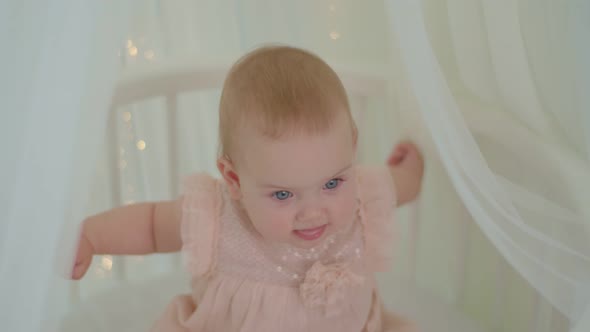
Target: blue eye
x: 332, y: 184
x: 282, y: 195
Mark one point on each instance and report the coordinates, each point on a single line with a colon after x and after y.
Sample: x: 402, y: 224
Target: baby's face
x: 300, y: 189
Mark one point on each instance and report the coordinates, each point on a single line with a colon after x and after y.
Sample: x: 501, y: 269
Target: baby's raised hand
x: 406, y: 154
x: 407, y: 168
x: 83, y: 257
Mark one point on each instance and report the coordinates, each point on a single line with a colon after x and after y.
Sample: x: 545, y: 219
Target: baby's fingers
x: 80, y: 268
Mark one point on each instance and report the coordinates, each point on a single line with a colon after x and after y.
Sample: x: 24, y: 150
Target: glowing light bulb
x: 334, y: 35
x: 141, y: 145
x: 149, y: 55
x: 107, y: 263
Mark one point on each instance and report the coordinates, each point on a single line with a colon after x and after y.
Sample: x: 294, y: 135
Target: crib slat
x: 414, y: 227
x: 559, y: 322
x: 113, y: 160
x: 171, y: 115
x: 546, y: 318
x: 500, y: 294
x: 535, y: 324
x: 74, y: 294
x: 463, y: 250
x: 173, y: 159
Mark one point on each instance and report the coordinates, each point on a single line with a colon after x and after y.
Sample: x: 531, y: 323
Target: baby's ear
x: 227, y: 170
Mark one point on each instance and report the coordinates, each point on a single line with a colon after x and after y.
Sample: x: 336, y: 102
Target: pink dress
x: 240, y: 283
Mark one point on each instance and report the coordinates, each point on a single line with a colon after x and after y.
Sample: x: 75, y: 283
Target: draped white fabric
x: 472, y: 81
x: 547, y: 244
x: 59, y: 66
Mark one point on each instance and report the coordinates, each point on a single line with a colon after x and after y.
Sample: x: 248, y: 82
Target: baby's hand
x: 83, y: 257
x: 406, y: 154
x: 407, y: 168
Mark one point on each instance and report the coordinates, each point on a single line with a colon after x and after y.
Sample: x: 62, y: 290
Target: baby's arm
x: 136, y: 229
x: 407, y: 167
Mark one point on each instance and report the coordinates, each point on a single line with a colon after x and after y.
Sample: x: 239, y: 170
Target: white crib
x: 128, y: 305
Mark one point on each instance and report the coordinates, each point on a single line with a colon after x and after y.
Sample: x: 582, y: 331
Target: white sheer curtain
x: 547, y: 244
x: 58, y: 69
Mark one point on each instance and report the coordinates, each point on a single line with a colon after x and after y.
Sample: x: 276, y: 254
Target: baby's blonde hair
x: 280, y: 90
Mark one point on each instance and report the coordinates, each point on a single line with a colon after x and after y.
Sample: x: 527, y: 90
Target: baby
x: 291, y: 235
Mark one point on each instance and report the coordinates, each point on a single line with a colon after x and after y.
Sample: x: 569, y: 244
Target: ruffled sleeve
x: 201, y: 209
x: 377, y: 205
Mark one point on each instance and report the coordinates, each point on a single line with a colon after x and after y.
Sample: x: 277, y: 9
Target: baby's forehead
x: 284, y: 128
x: 299, y: 160
x: 286, y: 179
x: 293, y: 142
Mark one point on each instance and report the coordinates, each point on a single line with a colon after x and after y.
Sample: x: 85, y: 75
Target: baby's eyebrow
x: 342, y: 170
x: 272, y: 186
x: 277, y: 187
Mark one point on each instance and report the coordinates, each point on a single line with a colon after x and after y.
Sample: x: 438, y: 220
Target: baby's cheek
x: 276, y: 224
x: 345, y: 208
x: 282, y: 229
x: 283, y: 221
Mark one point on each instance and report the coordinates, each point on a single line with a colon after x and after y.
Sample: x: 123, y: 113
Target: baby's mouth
x: 311, y: 234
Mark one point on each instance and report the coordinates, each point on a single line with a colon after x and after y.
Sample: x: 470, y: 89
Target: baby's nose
x: 311, y: 216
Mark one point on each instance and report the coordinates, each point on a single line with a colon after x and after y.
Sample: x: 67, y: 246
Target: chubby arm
x: 136, y: 229
x: 407, y: 169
